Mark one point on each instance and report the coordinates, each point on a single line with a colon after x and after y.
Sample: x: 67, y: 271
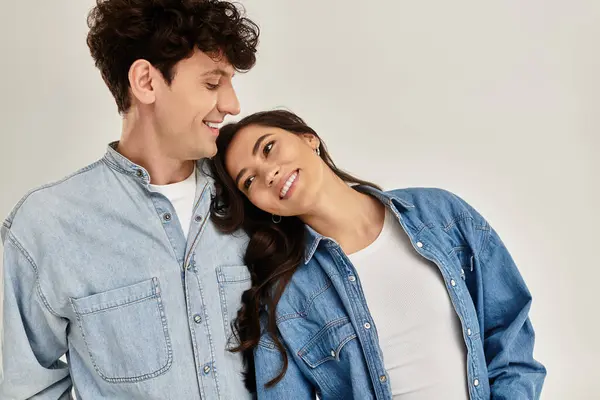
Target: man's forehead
x: 212, y: 64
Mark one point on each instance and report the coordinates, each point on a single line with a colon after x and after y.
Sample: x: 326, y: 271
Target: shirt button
x: 198, y: 218
x: 419, y: 244
x: 167, y: 217
x: 197, y: 318
x: 206, y: 369
x: 332, y: 353
x: 139, y: 173
x: 351, y: 278
x: 476, y: 382
x: 383, y: 379
x: 367, y: 325
x: 469, y: 332
x: 452, y: 282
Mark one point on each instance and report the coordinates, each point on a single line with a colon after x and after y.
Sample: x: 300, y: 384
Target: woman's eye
x: 248, y: 182
x: 212, y: 86
x: 268, y: 148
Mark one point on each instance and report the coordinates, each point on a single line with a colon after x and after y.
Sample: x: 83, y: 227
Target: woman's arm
x: 268, y: 362
x: 508, y: 336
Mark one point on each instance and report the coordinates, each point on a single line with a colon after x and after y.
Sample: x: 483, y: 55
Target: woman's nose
x: 272, y: 177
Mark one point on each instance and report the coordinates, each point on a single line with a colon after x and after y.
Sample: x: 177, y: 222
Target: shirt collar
x: 313, y: 238
x: 119, y: 162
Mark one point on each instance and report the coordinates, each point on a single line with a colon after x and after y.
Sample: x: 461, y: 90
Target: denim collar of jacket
x: 120, y: 163
x: 313, y: 238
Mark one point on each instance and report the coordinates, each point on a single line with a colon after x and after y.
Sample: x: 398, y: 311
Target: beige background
x: 496, y: 101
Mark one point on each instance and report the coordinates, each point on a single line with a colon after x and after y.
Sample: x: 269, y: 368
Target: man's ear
x: 142, y: 77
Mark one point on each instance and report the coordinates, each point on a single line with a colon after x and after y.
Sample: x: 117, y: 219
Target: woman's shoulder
x: 419, y: 195
x: 435, y: 203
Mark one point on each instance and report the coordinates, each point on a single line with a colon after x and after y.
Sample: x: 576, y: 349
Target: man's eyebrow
x: 218, y: 71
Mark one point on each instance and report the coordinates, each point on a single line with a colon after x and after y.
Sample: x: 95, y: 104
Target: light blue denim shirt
x: 97, y: 266
x: 331, y: 339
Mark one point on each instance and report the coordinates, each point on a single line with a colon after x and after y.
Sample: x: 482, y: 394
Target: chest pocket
x: 332, y: 355
x: 125, y: 332
x: 233, y: 282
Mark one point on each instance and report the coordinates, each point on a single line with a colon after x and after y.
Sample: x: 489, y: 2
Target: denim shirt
x: 97, y: 266
x: 331, y: 340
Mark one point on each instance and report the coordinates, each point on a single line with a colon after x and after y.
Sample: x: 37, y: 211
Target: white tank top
x: 419, y: 332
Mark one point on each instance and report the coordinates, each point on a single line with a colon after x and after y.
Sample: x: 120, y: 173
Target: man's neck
x: 140, y: 144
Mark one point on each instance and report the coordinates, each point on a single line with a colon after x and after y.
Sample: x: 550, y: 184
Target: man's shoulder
x: 38, y: 201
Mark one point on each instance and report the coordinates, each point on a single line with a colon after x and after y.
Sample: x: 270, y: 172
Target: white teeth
x: 212, y: 124
x: 288, y: 184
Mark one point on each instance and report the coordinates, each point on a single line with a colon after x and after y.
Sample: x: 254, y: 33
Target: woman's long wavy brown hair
x: 275, y: 250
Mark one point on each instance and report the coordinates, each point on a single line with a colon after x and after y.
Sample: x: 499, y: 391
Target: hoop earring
x: 318, y: 151
x: 276, y: 218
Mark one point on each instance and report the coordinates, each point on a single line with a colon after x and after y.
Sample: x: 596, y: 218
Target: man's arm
x: 33, y: 335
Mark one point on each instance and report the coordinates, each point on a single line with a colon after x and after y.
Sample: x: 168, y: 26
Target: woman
x: 363, y: 294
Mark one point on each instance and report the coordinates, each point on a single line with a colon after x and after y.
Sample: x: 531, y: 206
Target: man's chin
x: 207, y: 151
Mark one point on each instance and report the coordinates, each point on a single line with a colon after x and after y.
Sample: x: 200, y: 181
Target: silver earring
x: 276, y: 218
x: 318, y: 151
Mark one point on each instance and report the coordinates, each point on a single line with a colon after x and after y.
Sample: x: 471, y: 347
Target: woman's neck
x: 353, y: 219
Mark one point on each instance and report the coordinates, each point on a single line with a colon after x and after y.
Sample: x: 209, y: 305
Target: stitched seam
x: 234, y: 280
x: 138, y: 378
x: 266, y: 343
x: 200, y: 231
x: 222, y: 278
x: 457, y: 249
x: 38, y: 288
x: 50, y: 185
x: 330, y: 358
x: 117, y: 167
x: 226, y: 323
x: 321, y: 332
x: 126, y: 304
x: 207, y: 329
x: 463, y: 216
x: 484, y: 243
x: 309, y: 303
x: 311, y: 252
x: 192, y: 332
x: 8, y: 222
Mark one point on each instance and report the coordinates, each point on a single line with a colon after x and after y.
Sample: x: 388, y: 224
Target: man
x: 118, y: 265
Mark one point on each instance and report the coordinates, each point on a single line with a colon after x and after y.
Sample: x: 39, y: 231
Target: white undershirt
x: 419, y: 331
x: 181, y: 195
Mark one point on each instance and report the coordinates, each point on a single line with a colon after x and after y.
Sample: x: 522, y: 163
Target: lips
x: 213, y: 126
x: 288, y: 184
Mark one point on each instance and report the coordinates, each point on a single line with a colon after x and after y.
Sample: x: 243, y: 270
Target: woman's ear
x: 312, y: 140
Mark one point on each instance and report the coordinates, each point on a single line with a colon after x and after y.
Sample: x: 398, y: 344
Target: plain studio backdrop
x: 498, y: 102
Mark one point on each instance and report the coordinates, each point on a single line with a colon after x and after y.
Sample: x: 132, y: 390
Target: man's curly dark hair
x: 164, y: 32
